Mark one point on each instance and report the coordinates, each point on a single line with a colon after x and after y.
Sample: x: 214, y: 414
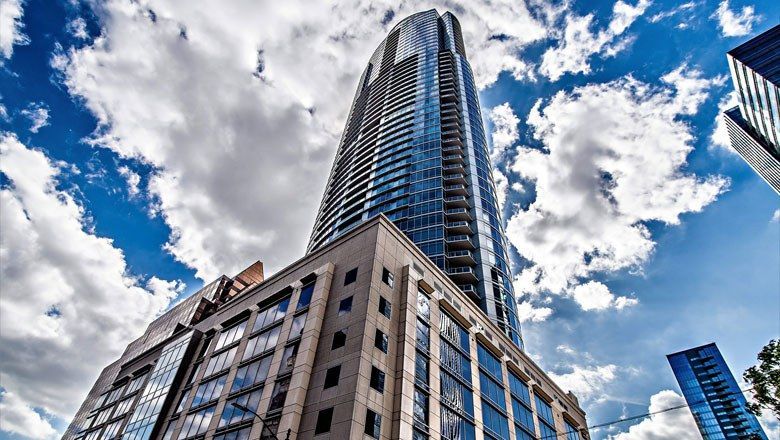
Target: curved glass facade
x: 414, y: 148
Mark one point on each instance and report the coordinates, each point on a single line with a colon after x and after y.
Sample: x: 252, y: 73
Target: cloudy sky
x: 149, y: 146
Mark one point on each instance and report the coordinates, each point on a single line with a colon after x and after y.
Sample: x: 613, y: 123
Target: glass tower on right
x: 715, y: 400
x: 754, y: 124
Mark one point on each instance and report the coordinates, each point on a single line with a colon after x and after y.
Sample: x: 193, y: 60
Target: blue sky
x: 148, y: 148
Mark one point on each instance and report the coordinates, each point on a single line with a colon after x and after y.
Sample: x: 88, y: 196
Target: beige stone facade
x: 389, y: 271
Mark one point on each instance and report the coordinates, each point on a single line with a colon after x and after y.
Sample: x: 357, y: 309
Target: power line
x: 639, y: 416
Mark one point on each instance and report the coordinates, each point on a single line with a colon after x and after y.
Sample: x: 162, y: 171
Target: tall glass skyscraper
x: 717, y: 403
x: 414, y: 148
x: 754, y: 125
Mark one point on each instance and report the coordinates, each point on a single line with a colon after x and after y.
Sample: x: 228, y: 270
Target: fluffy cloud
x: 240, y: 117
x: 613, y: 159
x: 527, y: 312
x: 594, y: 295
x: 720, y: 134
x: 133, y: 180
x: 586, y: 382
x: 11, y: 13
x: 504, y: 133
x: 67, y: 294
x: 677, y: 424
x: 78, y: 28
x: 38, y: 114
x: 579, y: 42
x: 735, y: 24
x: 18, y: 417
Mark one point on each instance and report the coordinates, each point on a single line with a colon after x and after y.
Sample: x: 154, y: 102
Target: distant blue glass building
x: 414, y: 148
x: 717, y: 403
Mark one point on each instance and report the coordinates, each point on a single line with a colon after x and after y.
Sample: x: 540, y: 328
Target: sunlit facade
x: 414, y: 149
x: 364, y: 338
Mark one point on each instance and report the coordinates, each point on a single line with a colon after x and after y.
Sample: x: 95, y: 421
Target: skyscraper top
x: 414, y: 148
x: 761, y: 54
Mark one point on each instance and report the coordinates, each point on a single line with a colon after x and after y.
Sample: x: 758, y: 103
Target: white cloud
x: 671, y: 425
x: 613, y: 159
x: 244, y: 149
x: 78, y: 28
x: 776, y: 216
x: 11, y: 25
x: 720, y: 134
x: 594, y: 295
x: 735, y: 24
x: 67, y: 294
x: 527, y: 312
x: 38, y: 114
x: 21, y: 419
x: 133, y: 180
x: 505, y: 132
x: 578, y: 42
x: 586, y: 382
x: 683, y: 8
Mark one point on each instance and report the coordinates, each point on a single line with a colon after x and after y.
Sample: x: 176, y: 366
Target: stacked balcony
x: 459, y: 259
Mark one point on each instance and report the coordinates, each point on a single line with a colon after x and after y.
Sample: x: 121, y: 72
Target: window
x: 103, y: 416
x: 197, y: 423
x: 233, y: 414
x: 220, y: 362
x: 488, y: 362
x: 380, y: 341
x: 230, y: 335
x: 423, y: 305
x: 453, y: 360
x: 454, y: 426
x: 350, y: 277
x: 123, y: 406
x: 453, y: 332
x: 271, y: 314
x: 332, y: 376
x: 136, y: 383
x: 377, y: 379
x: 544, y: 410
x: 387, y: 277
x: 492, y: 390
x: 112, y: 430
x: 279, y: 394
x: 518, y: 388
x: 572, y: 433
x: 241, y: 434
x: 345, y: 306
x: 205, y: 347
x: 251, y: 374
x: 297, y: 326
x: 384, y: 306
x: 262, y: 342
x: 522, y: 414
x: 270, y: 428
x: 456, y: 395
x: 324, y: 418
x: 423, y: 336
x: 420, y: 409
x: 496, y: 424
x: 183, y: 400
x: 288, y: 358
x: 305, y: 298
x: 521, y: 434
x: 547, y: 431
x: 339, y: 339
x: 421, y: 369
x: 373, y: 424
x: 194, y: 373
x: 208, y: 391
x: 417, y: 435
